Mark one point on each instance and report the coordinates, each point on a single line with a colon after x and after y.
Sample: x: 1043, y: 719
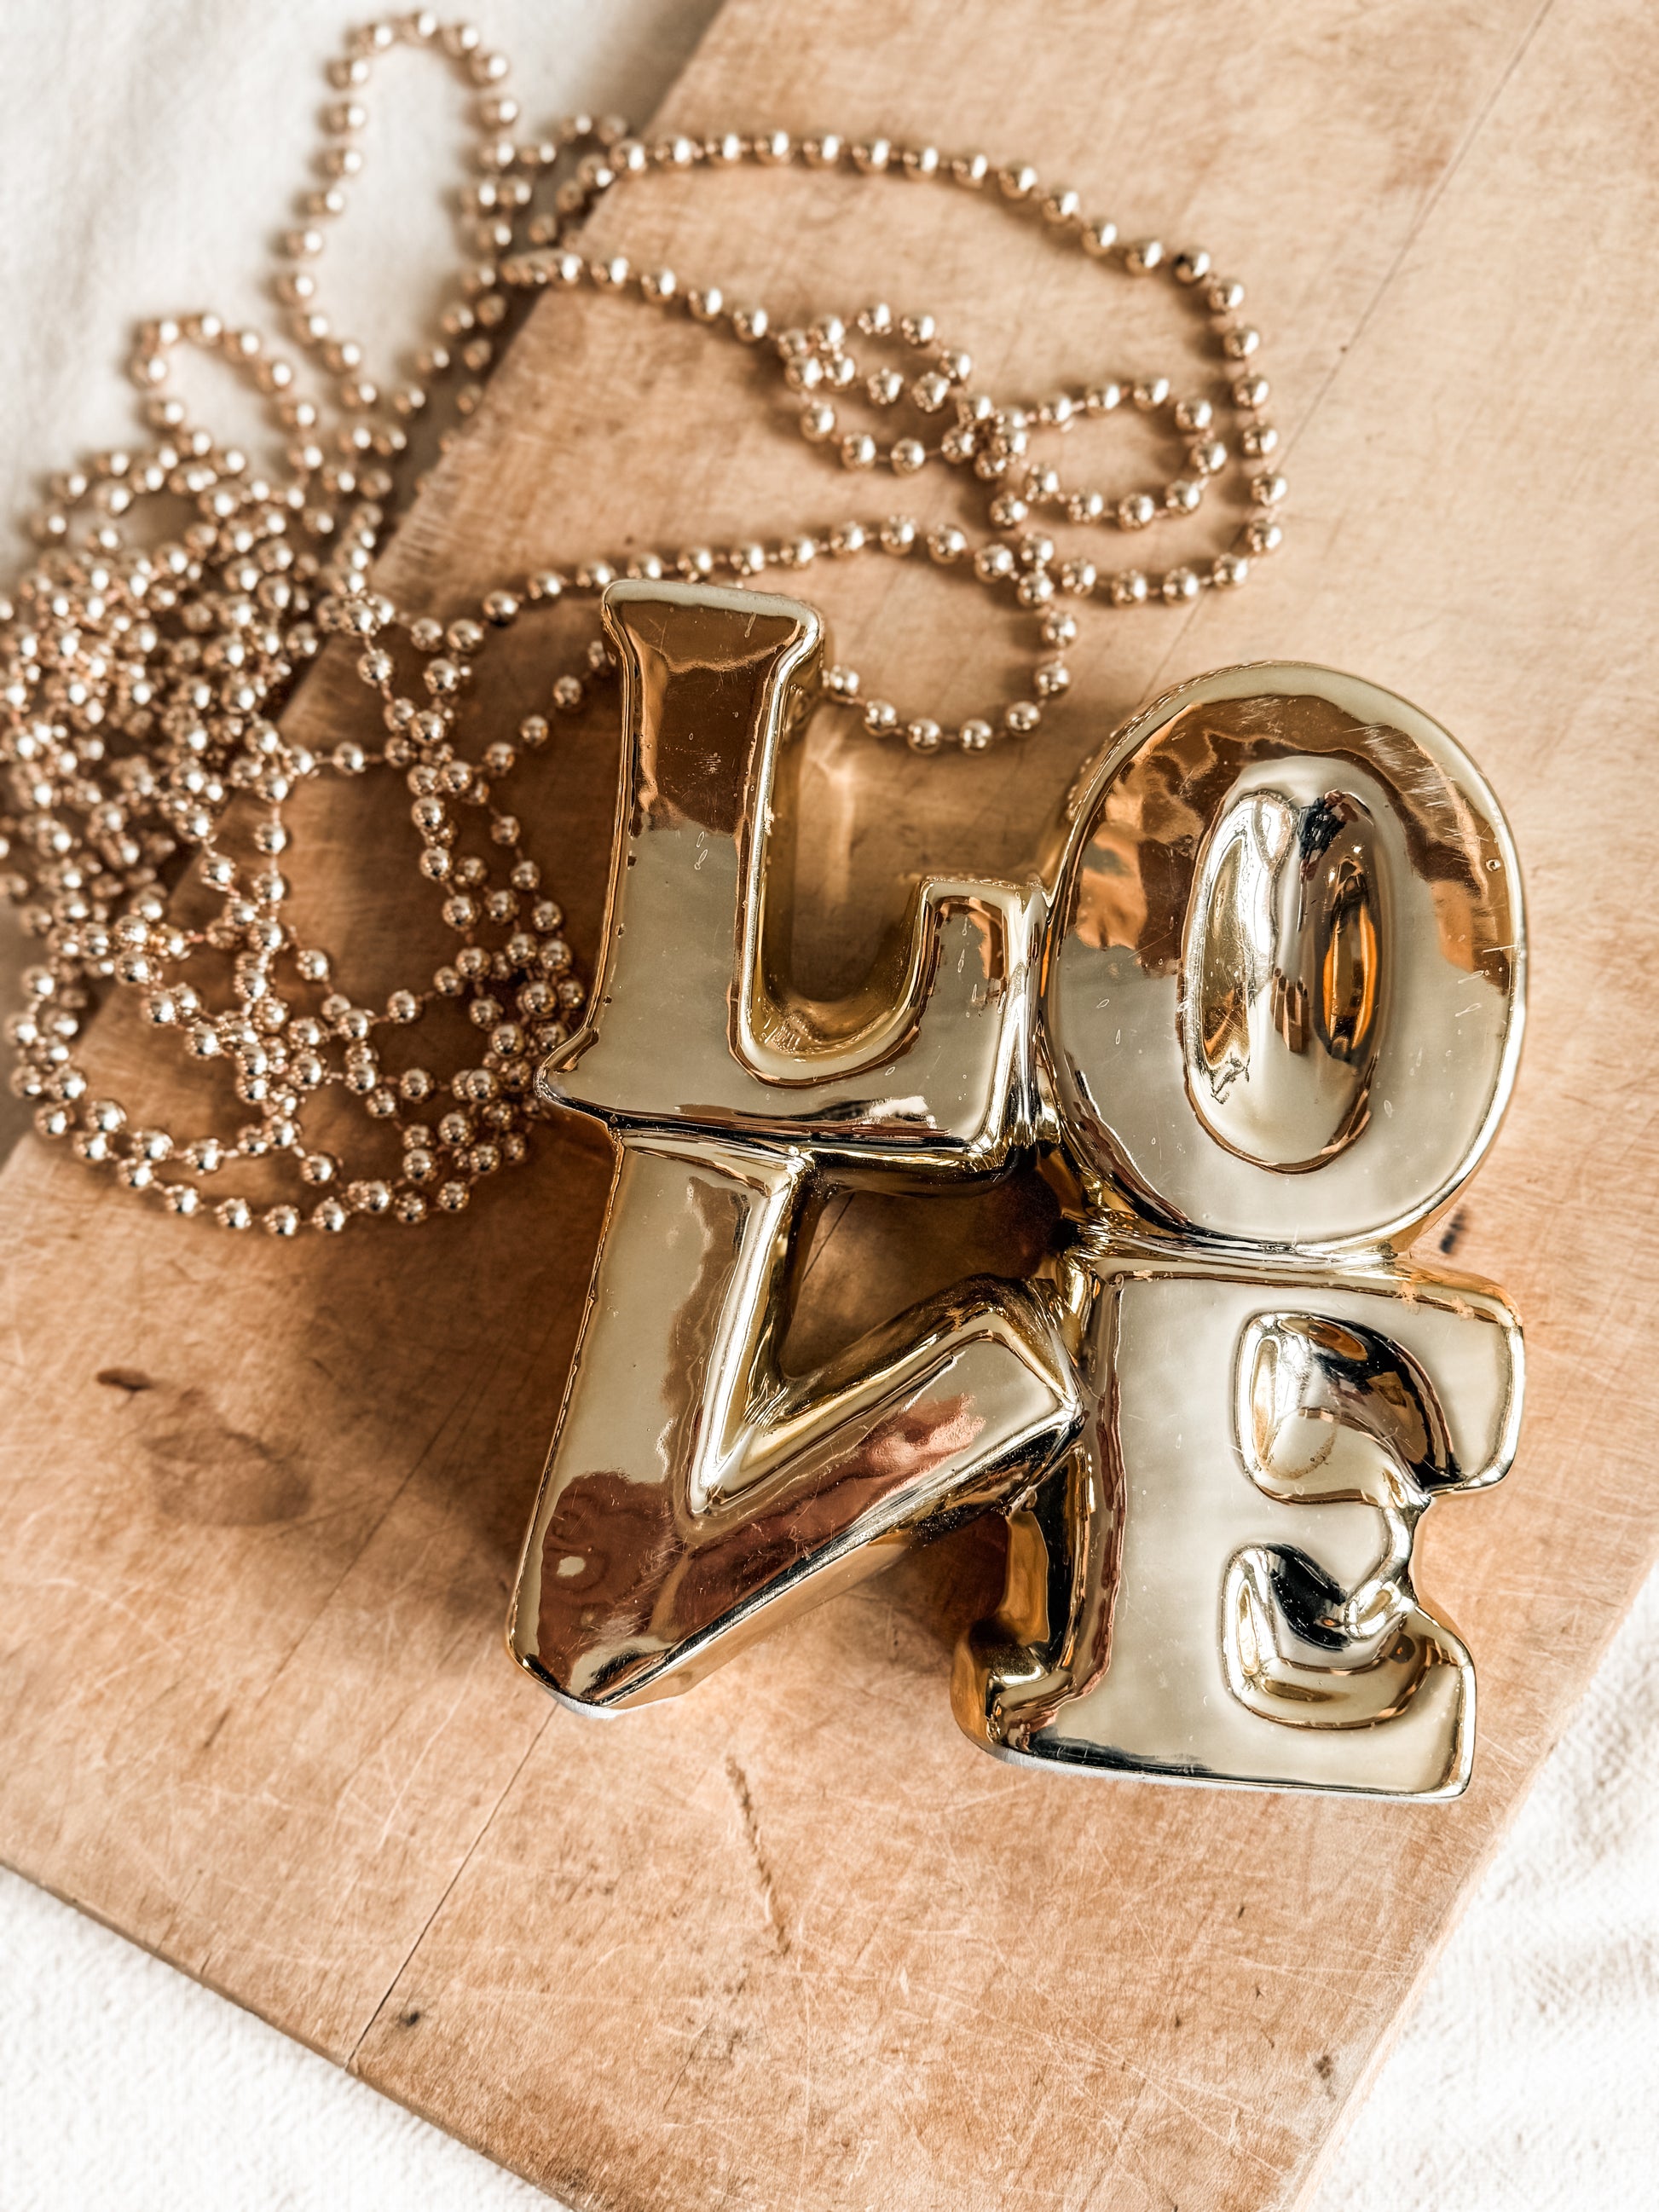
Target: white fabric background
x: 147, y: 154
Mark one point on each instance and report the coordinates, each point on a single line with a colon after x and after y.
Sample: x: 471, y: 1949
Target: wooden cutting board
x: 793, y: 1941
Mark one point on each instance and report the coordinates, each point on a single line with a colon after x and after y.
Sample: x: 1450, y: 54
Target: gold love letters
x: 1259, y: 1013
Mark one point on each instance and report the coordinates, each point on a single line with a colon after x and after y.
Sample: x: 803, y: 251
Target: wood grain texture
x: 793, y: 1941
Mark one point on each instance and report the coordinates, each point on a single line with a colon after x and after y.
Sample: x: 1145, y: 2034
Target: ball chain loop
x: 142, y: 678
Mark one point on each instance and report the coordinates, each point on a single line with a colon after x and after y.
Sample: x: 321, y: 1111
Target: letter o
x: 1284, y: 987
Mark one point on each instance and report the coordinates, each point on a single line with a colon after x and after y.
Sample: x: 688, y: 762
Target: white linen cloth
x: 146, y: 153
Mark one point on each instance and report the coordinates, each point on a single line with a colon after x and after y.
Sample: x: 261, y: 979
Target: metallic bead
x: 922, y: 736
x: 975, y: 735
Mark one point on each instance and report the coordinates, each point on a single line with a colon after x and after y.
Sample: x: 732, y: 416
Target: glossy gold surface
x: 1280, y: 1019
x: 1217, y: 1585
x: 1262, y: 1022
x: 1285, y: 970
x: 693, y: 1021
x: 694, y: 1494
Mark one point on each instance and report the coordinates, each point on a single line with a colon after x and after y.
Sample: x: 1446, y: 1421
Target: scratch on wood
x: 406, y: 2020
x: 739, y: 1782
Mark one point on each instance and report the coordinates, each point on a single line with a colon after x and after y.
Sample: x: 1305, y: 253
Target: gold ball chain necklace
x: 142, y: 678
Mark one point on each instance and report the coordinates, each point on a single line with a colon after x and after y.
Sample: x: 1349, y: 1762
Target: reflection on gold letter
x: 694, y: 1494
x: 1286, y: 1068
